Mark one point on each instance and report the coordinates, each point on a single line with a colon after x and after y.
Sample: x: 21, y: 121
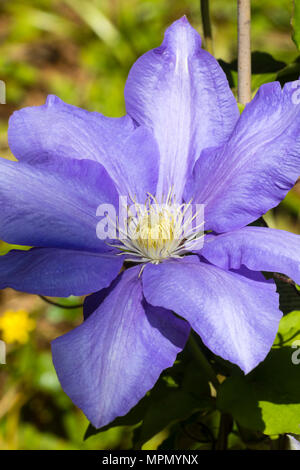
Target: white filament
x: 156, y: 232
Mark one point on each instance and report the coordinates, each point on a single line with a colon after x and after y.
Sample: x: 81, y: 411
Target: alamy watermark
x: 2, y: 92
x: 169, y: 220
x: 296, y: 354
x: 296, y: 93
x: 2, y: 352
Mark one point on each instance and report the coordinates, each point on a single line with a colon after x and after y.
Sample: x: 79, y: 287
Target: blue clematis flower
x: 182, y: 135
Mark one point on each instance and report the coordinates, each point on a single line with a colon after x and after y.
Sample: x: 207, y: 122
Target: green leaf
x: 289, y: 297
x: 268, y: 399
x: 289, y: 330
x: 166, y: 409
x: 169, y: 405
x: 132, y: 418
x: 171, y: 441
x: 180, y: 392
x: 264, y: 69
x: 296, y: 23
x: 292, y: 200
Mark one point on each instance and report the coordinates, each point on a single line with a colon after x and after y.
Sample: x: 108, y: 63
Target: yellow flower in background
x: 16, y: 326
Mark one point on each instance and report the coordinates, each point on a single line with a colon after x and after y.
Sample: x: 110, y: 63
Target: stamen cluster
x: 158, y: 231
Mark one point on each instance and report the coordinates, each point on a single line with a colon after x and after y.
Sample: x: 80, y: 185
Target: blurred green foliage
x: 82, y: 51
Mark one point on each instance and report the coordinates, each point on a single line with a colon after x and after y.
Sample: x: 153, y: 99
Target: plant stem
x: 206, y: 23
x: 225, y: 428
x: 244, y: 51
x: 56, y: 304
x: 204, y: 364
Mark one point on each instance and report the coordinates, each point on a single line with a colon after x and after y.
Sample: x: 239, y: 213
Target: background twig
x: 244, y: 51
x: 206, y: 23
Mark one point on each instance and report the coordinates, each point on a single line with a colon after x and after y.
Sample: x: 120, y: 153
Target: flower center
x: 158, y: 231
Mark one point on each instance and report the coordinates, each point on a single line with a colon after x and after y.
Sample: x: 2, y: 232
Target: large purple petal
x: 180, y: 92
x: 58, y: 130
x: 107, y: 364
x: 236, y: 316
x: 257, y: 167
x: 56, y: 272
x: 135, y: 171
x: 54, y: 206
x: 258, y: 248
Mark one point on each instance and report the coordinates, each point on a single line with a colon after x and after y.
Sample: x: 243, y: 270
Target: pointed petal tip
x: 246, y: 368
x: 181, y: 32
x: 183, y: 20
x: 52, y: 100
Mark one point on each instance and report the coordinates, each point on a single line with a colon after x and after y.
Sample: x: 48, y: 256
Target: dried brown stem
x: 244, y: 51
